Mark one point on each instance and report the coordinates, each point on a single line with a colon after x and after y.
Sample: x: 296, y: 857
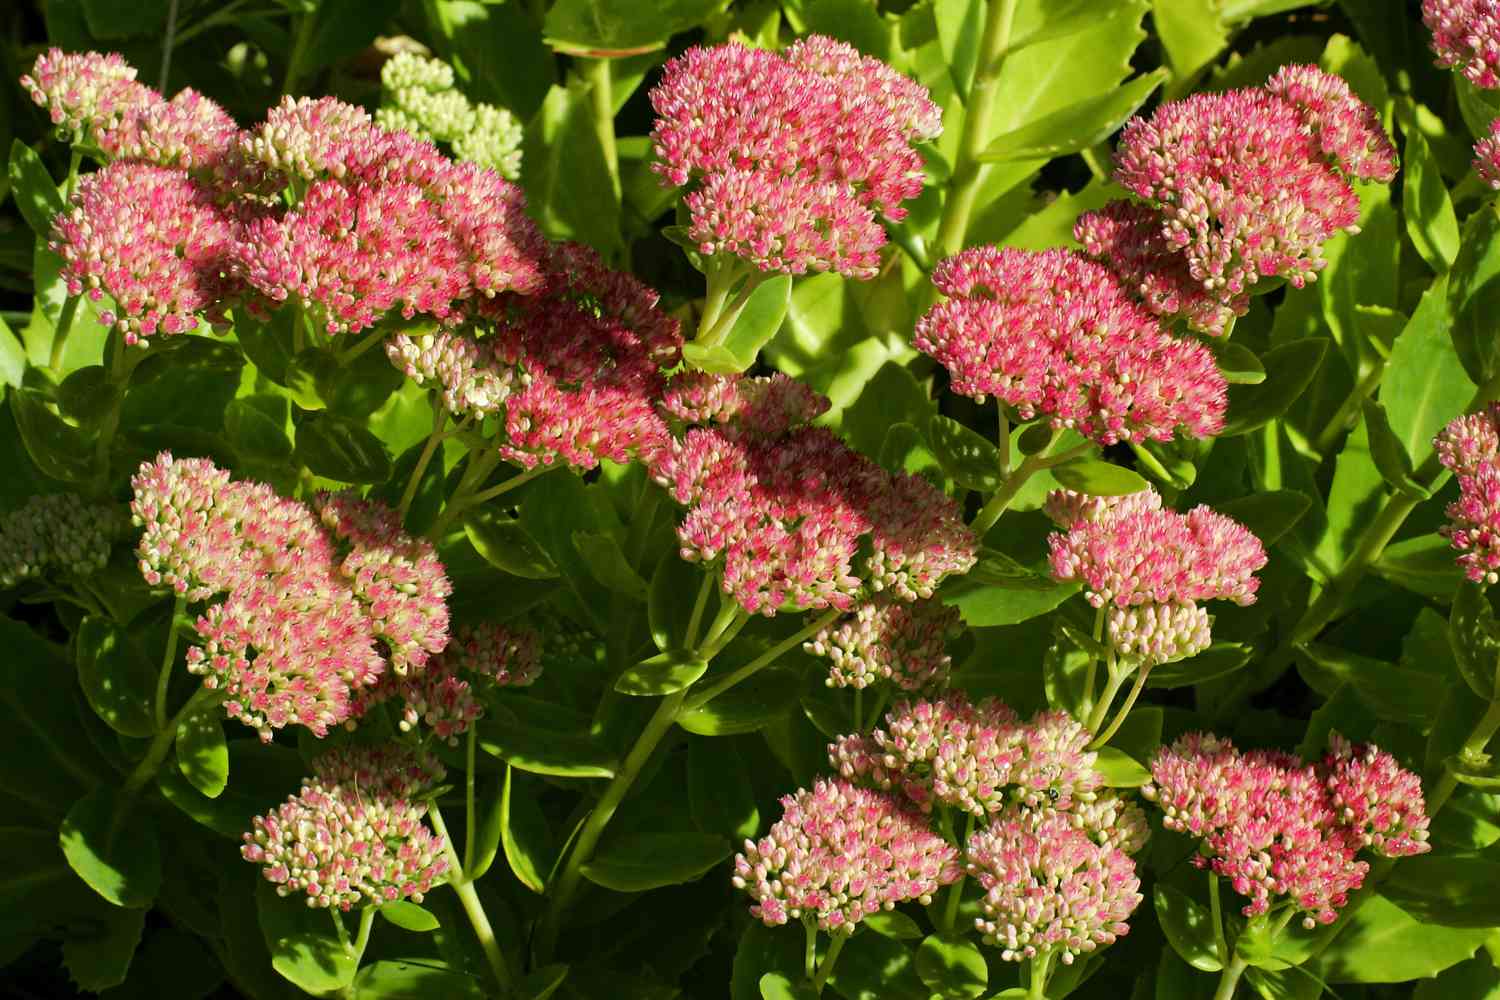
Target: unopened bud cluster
x: 418, y: 96
x: 57, y: 533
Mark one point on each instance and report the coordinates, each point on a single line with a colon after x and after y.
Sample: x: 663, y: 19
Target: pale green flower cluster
x: 418, y: 96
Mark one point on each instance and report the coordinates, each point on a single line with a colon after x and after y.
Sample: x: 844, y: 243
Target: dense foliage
x: 943, y: 499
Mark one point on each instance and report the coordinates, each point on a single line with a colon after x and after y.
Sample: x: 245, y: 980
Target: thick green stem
x: 362, y: 346
x: 366, y: 922
x: 593, y: 828
x: 770, y: 656
x: 1135, y: 692
x: 499, y: 489
x: 956, y: 890
x: 1479, y: 738
x: 810, y: 948
x: 1111, y: 688
x: 1036, y: 986
x: 709, y: 335
x: 719, y: 635
x: 1216, y: 908
x: 1091, y: 673
x: 164, y: 675
x: 478, y: 469
x: 473, y: 906
x: 826, y: 968
x: 439, y: 418
x: 602, y: 101
x: 162, y: 742
x: 695, y: 620
x: 120, y: 368
x: 1000, y: 502
x: 1229, y: 979
x: 60, y: 334
x: 968, y: 171
x: 1348, y: 412
x: 471, y: 817
x: 305, y: 25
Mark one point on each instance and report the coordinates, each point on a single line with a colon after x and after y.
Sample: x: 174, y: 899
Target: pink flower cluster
x: 760, y: 407
x: 56, y: 532
x: 1150, y: 567
x: 795, y: 155
x: 387, y: 223
x: 354, y: 834
x: 1275, y: 826
x: 904, y: 644
x: 800, y: 520
x: 87, y: 93
x: 1244, y: 185
x: 1466, y: 37
x: 1048, y: 887
x: 446, y: 696
x: 152, y: 238
x: 1470, y: 446
x: 840, y: 853
x: 1055, y: 333
x: 311, y: 596
x: 1487, y: 156
x: 975, y: 758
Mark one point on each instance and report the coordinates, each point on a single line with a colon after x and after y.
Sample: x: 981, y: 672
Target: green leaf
x: 662, y: 674
x: 1389, y: 453
x: 642, y: 861
x: 468, y: 33
x: 344, y: 28
x: 107, y: 19
x: 254, y: 433
x: 341, y: 449
x: 202, y: 753
x: 621, y: 27
x: 546, y: 751
x: 304, y: 947
x: 1430, y: 221
x: 1474, y: 295
x: 1078, y: 126
x: 1238, y: 364
x: 760, y: 320
x: 409, y: 916
x: 98, y: 954
x: 605, y: 559
x: 1098, y: 478
x: 112, y: 847
x: 116, y: 679
x: 952, y: 966
x: 1478, y: 107
x: 529, y: 847
x: 1218, y: 660
x: 1270, y: 514
x: 971, y: 460
x: 1289, y: 370
x: 719, y: 790
x: 762, y: 948
x: 1473, y: 980
x: 87, y: 394
x: 716, y: 359
x: 1424, y: 564
x: 33, y: 188
x: 1192, y: 34
x: 893, y: 924
x: 669, y: 604
x: 880, y: 966
x: 1120, y: 770
x: 747, y: 707
x: 1424, y: 383
x: 1382, y: 943
x: 1453, y: 890
x: 541, y: 983
x: 1392, y: 692
x: 1475, y: 638
x: 56, y: 447
x: 387, y: 980
x: 506, y: 545
x: 780, y: 986
x: 569, y: 190
x: 1189, y: 927
x: 487, y: 837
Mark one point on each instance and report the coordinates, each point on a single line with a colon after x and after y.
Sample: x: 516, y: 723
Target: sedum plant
x: 963, y: 500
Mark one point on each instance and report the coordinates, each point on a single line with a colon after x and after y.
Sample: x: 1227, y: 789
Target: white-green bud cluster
x: 419, y: 97
x: 57, y: 531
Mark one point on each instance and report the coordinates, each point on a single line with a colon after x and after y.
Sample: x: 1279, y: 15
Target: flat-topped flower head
x: 57, y: 533
x: 354, y: 835
x: 86, y: 93
x: 1048, y: 887
x: 1470, y: 445
x: 1053, y: 767
x: 839, y: 854
x: 1159, y: 633
x: 1110, y: 820
x: 1128, y: 237
x: 945, y: 751
x: 462, y: 369
x: 1487, y: 156
x: 789, y: 515
x: 318, y: 604
x: 151, y: 238
x: 1347, y: 129
x: 903, y: 644
x: 189, y: 131
x: 757, y: 406
x: 1466, y: 38
x: 1250, y: 183
x: 1276, y: 827
x: 795, y: 155
x: 1055, y: 334
x: 309, y: 138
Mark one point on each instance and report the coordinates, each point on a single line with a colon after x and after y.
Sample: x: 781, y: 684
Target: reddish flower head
x: 840, y: 853
x: 86, y: 94
x: 354, y: 834
x: 1466, y: 37
x: 151, y: 238
x: 1487, y: 156
x: 905, y: 644
x: 1054, y: 333
x: 1470, y: 446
